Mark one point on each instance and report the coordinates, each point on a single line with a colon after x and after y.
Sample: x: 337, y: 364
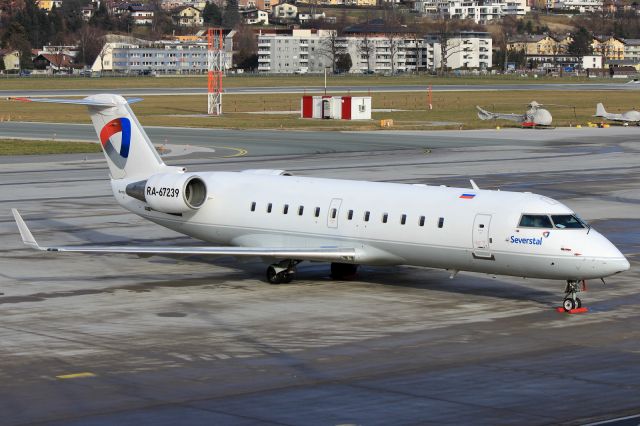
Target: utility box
x: 336, y: 107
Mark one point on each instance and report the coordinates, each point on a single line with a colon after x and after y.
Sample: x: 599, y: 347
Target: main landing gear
x: 571, y: 300
x: 282, y: 272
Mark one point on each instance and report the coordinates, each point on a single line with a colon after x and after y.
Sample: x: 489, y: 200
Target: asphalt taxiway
x: 96, y: 340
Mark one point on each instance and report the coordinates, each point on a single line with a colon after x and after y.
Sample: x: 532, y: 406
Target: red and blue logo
x: 119, y: 125
x: 468, y: 196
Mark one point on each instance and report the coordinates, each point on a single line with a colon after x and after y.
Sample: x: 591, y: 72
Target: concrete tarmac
x: 278, y: 142
x: 115, y: 339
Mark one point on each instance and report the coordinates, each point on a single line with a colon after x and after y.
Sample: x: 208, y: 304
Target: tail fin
x: 600, y: 111
x: 127, y: 147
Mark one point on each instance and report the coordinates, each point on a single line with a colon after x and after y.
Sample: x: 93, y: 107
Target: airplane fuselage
x: 391, y: 224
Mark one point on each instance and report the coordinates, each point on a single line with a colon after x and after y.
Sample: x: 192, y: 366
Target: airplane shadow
x: 312, y: 274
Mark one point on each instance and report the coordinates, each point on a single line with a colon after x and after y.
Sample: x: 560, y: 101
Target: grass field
x: 61, y: 83
x: 252, y: 111
x: 29, y: 147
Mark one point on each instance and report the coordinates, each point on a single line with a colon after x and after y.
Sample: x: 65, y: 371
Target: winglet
x: 26, y: 235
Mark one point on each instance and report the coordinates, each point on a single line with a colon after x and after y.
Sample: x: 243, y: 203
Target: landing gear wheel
x: 287, y: 277
x: 569, y: 304
x: 274, y: 277
x: 578, y: 303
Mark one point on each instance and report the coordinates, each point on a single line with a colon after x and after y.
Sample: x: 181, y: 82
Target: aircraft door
x: 334, y: 213
x: 326, y: 108
x: 480, y: 238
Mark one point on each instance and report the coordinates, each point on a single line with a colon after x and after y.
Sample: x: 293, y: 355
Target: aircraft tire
x: 578, y: 303
x: 273, y: 277
x: 569, y: 304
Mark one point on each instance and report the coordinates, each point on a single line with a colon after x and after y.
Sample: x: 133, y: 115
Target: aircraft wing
x: 325, y: 254
x: 483, y: 114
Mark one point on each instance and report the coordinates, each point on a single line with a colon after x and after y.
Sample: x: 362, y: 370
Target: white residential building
x: 478, y: 10
x: 467, y: 49
x: 579, y: 5
x: 285, y: 11
x: 291, y: 53
x: 161, y: 57
x: 308, y: 51
x: 256, y: 16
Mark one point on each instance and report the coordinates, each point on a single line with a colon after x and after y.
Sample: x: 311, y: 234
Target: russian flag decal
x: 467, y: 196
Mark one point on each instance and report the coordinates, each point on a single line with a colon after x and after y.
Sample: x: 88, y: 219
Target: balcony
x: 263, y: 43
x: 263, y: 59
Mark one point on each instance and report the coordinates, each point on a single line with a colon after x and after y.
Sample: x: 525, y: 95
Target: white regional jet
x: 288, y: 219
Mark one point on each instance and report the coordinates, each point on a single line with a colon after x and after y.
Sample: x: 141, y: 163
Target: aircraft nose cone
x: 620, y: 264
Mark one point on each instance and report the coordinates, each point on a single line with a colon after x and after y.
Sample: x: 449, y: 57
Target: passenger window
x: 403, y: 219
x: 269, y: 207
x: 567, y: 221
x: 350, y: 215
x: 385, y: 217
x: 317, y: 213
x: 253, y: 206
x: 366, y: 216
x: 421, y: 222
x: 300, y: 210
x: 441, y: 222
x: 334, y: 212
x: 285, y: 209
x: 535, y: 221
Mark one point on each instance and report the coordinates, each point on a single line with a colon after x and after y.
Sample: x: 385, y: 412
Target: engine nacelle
x: 268, y: 172
x: 170, y: 193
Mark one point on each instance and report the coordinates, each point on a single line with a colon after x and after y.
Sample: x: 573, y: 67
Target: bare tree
x: 90, y: 41
x: 330, y: 47
x: 393, y: 45
x: 104, y: 52
x: 446, y: 30
x: 367, y: 50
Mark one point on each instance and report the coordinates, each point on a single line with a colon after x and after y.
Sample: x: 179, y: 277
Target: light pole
x: 325, y: 80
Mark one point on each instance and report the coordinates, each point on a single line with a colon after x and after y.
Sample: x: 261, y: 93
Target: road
x: 331, y: 89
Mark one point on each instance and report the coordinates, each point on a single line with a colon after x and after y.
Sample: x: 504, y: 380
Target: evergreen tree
x: 343, y: 62
x: 211, y: 14
x: 581, y: 44
x: 231, y: 15
x: 101, y: 18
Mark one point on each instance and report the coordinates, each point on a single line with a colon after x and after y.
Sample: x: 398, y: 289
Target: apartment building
x: 162, y: 57
x: 479, y: 11
x: 308, y: 51
x: 578, y: 5
x: 300, y: 51
x: 466, y: 49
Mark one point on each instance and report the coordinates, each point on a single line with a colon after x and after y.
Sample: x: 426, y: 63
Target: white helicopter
x: 534, y: 116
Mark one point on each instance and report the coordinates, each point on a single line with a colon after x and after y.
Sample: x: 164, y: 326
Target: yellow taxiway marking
x: 239, y: 151
x: 76, y: 375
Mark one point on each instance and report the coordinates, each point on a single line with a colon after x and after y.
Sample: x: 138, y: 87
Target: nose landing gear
x: 572, y: 302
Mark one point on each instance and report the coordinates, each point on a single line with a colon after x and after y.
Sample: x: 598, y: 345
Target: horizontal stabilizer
x: 324, y: 254
x: 85, y: 101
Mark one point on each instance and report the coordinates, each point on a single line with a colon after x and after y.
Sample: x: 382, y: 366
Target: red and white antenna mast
x: 215, y: 65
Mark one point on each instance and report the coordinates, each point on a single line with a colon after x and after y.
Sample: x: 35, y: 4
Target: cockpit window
x: 567, y: 221
x: 535, y: 221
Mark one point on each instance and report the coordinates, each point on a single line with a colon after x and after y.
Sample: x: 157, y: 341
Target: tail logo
x: 119, y: 125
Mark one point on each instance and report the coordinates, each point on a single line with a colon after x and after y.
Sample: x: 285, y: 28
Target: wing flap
x: 325, y: 254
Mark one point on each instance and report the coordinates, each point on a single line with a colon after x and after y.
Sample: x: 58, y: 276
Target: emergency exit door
x: 481, y: 239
